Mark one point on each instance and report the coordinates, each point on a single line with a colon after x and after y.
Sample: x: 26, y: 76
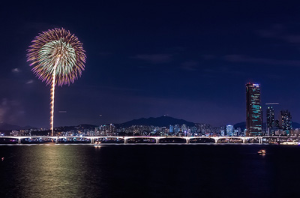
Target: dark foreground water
x: 149, y: 171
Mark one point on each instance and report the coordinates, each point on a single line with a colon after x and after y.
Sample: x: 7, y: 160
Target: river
x: 149, y: 171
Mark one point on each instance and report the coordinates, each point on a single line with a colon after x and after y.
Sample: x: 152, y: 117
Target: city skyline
x: 152, y: 58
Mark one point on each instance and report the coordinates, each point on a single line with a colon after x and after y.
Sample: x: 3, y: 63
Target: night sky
x: 151, y: 58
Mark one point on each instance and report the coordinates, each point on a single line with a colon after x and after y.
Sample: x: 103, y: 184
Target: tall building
x: 171, y: 129
x: 285, y: 121
x: 229, y: 130
x: 253, y: 110
x: 270, y: 119
x: 271, y: 125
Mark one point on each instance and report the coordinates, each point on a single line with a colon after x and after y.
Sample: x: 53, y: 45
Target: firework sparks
x: 58, y: 58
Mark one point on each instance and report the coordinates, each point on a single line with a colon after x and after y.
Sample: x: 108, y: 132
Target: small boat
x: 97, y: 144
x: 262, y: 152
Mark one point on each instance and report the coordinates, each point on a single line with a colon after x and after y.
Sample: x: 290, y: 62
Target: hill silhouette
x: 163, y: 121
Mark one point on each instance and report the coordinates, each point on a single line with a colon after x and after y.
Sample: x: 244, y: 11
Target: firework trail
x: 58, y: 58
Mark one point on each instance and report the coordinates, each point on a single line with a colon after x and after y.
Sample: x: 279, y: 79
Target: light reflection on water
x: 134, y: 170
x: 50, y: 171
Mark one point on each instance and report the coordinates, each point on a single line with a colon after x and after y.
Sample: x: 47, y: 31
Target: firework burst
x: 57, y: 58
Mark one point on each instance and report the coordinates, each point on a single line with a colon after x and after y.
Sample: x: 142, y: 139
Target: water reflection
x: 53, y: 171
x: 148, y: 171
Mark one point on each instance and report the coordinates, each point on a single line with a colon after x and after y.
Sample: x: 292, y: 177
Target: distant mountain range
x: 81, y: 126
x: 163, y: 121
x: 159, y: 121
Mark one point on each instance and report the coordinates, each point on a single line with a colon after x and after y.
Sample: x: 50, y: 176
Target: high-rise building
x: 285, y: 121
x: 184, y: 128
x: 229, y: 130
x: 171, y: 129
x: 271, y: 124
x: 176, y: 128
x: 253, y: 110
x: 270, y: 119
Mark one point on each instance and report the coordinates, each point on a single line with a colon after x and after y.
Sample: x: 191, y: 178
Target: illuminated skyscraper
x: 285, y: 121
x: 171, y: 129
x: 270, y: 119
x: 253, y: 110
x: 229, y: 130
x: 271, y: 124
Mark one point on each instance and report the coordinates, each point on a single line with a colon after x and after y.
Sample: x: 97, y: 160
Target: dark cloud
x: 273, y: 31
x: 29, y: 82
x: 266, y: 61
x: 208, y: 56
x: 154, y: 58
x: 190, y: 65
x: 279, y: 32
x: 16, y: 70
x: 105, y: 54
x: 292, y: 38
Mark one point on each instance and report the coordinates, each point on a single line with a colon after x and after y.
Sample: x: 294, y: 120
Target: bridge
x: 142, y: 139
